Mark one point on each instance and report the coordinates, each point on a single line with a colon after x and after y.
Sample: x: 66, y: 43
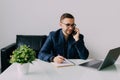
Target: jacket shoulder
x: 54, y: 33
x: 81, y: 36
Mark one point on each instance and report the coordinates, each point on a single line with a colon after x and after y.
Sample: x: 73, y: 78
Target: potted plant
x: 23, y: 55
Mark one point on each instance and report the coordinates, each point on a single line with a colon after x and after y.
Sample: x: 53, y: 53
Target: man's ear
x: 60, y: 24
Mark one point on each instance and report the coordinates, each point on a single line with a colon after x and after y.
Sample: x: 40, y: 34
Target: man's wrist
x: 76, y: 39
x: 51, y: 59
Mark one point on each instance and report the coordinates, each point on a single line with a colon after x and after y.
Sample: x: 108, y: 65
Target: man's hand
x: 58, y: 59
x: 76, y: 36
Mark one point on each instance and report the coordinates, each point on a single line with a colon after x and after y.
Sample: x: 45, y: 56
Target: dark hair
x: 66, y: 15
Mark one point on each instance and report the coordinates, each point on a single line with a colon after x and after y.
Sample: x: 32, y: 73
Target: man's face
x: 67, y: 25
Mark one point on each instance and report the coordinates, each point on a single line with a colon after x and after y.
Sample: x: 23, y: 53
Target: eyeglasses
x: 72, y: 25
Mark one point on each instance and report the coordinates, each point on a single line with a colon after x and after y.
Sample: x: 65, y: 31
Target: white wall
x: 98, y: 20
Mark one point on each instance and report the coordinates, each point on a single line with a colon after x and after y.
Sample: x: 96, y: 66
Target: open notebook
x: 64, y: 64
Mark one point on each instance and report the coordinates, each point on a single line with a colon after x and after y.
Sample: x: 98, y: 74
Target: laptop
x: 109, y: 60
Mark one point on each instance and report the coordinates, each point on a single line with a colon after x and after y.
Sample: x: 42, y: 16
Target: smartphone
x: 74, y: 32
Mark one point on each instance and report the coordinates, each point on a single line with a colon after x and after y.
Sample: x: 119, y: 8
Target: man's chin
x: 69, y: 33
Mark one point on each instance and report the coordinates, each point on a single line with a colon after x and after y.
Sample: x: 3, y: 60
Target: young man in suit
x: 66, y: 42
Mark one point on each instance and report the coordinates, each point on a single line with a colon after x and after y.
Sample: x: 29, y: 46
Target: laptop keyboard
x: 93, y: 64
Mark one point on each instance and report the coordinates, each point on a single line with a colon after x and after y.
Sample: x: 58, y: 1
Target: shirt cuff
x: 51, y: 59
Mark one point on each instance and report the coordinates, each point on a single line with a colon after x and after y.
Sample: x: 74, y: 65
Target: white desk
x: 41, y: 70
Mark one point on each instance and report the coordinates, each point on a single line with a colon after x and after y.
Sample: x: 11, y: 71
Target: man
x: 66, y: 42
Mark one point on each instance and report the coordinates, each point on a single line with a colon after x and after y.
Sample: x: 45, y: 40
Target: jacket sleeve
x: 81, y: 49
x: 45, y: 52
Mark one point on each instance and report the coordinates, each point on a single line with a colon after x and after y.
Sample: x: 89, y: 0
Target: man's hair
x: 66, y: 15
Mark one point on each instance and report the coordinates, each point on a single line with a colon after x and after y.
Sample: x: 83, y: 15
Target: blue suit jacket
x: 56, y: 45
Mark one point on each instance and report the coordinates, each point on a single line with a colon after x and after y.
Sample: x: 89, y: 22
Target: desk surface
x: 41, y: 70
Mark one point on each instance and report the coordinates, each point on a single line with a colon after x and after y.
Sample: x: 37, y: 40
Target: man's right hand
x: 58, y: 59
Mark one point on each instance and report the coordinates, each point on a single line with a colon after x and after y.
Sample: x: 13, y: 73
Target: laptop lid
x: 110, y: 59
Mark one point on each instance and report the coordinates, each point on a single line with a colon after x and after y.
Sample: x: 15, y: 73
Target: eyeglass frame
x: 72, y: 25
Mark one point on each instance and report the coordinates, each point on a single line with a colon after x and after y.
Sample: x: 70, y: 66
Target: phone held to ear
x: 74, y: 32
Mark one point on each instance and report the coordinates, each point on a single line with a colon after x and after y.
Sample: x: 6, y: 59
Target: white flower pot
x: 23, y: 68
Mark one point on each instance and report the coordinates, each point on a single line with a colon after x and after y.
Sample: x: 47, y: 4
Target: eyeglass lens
x: 73, y: 25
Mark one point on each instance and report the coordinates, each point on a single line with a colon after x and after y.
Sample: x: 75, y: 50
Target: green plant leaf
x: 23, y: 54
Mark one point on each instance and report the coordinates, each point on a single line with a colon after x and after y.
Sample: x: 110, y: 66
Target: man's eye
x: 67, y: 24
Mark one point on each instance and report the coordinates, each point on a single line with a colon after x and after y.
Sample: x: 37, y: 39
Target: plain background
x: 98, y: 20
